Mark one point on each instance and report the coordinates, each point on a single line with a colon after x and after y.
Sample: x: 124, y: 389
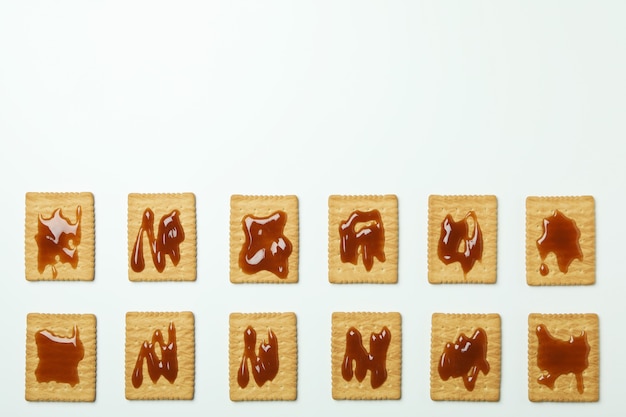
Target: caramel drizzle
x: 561, y: 237
x: 465, y: 358
x: 457, y: 245
x: 58, y: 357
x: 370, y: 238
x: 166, y: 367
x: 167, y: 242
x: 375, y: 361
x: 57, y: 237
x: 265, y: 365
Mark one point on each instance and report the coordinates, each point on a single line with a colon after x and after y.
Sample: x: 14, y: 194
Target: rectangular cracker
x: 283, y: 386
x: 582, y: 211
x: 446, y: 328
x: 162, y: 205
x: 340, y: 209
x: 46, y: 205
x: 563, y: 327
x: 485, y: 208
x: 62, y: 325
x: 140, y: 328
x: 263, y: 207
x: 366, y: 323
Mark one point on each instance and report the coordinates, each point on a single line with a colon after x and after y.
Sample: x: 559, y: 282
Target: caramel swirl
x: 167, y: 241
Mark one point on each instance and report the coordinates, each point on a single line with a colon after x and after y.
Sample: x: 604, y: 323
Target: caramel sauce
x: 558, y: 357
x: 456, y: 244
x: 374, y: 361
x: 465, y: 358
x: 265, y: 365
x: 369, y: 240
x: 58, y: 357
x: 167, y: 241
x: 167, y: 366
x: 57, y: 239
x: 561, y: 237
x: 266, y: 247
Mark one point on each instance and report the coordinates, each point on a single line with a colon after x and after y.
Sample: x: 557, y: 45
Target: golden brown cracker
x: 263, y: 207
x: 60, y: 266
x: 140, y: 330
x: 162, y: 206
x: 61, y: 326
x: 485, y: 207
x: 582, y: 211
x: 340, y: 209
x: 446, y: 328
x: 283, y: 386
x: 564, y: 327
x: 366, y: 323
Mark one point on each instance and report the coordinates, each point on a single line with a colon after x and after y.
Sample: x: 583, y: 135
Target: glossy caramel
x: 166, y: 367
x: 465, y: 358
x: 561, y: 237
x: 266, y: 248
x: 374, y: 361
x: 167, y: 241
x: 368, y: 239
x: 58, y: 357
x: 265, y: 365
x: 456, y: 244
x: 57, y: 239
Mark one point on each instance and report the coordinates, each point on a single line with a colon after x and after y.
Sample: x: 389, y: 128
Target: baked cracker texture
x: 366, y: 323
x: 340, y: 208
x: 283, y: 387
x: 563, y: 327
x: 259, y: 207
x: 446, y: 328
x: 62, y: 325
x: 163, y: 205
x: 580, y: 209
x: 485, y: 208
x: 140, y: 328
x: 45, y: 205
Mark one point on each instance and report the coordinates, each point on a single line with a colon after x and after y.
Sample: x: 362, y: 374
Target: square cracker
x: 367, y: 323
x: 340, y: 207
x: 44, y: 205
x: 162, y: 205
x: 62, y: 325
x: 582, y: 211
x: 262, y: 206
x: 446, y: 328
x: 562, y: 327
x: 140, y: 327
x: 284, y: 385
x: 458, y: 206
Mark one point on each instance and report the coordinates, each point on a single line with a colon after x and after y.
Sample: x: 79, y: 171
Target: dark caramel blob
x: 374, y: 361
x: 368, y: 239
x: 264, y: 365
x: 166, y: 367
x: 558, y: 357
x: 166, y: 242
x: 465, y: 358
x: 560, y: 236
x: 457, y: 244
x: 57, y: 239
x: 58, y: 357
x: 266, y: 248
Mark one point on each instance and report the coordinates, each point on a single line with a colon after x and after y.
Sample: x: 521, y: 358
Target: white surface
x: 512, y: 98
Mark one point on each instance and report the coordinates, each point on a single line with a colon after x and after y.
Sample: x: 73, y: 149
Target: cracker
x: 64, y: 387
x: 279, y: 386
x: 458, y: 207
x: 366, y: 323
x: 263, y: 208
x: 140, y: 329
x: 563, y: 327
x: 163, y: 206
x: 340, y: 209
x: 58, y: 264
x: 446, y: 328
x: 582, y: 211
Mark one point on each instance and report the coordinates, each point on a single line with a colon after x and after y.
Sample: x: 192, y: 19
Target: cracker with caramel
x: 560, y: 240
x: 263, y: 357
x: 60, y: 357
x: 59, y: 237
x: 160, y: 355
x: 563, y: 357
x: 264, y: 239
x: 162, y: 237
x: 462, y: 232
x: 366, y: 356
x: 465, y: 357
x: 363, y: 239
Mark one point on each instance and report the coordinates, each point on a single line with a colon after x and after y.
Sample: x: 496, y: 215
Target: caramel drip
x: 374, y: 361
x: 266, y: 247
x: 369, y: 240
x: 561, y: 237
x: 456, y: 244
x: 465, y: 358
x: 57, y: 239
x: 167, y: 242
x: 166, y: 367
x: 58, y: 357
x: 265, y: 365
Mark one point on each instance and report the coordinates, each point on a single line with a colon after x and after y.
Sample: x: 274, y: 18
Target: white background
x: 512, y: 98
